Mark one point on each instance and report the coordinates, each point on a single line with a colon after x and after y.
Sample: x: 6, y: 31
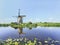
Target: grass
x: 24, y: 41
x: 31, y: 25
x: 28, y: 25
x: 4, y: 25
x: 18, y: 42
x: 48, y: 24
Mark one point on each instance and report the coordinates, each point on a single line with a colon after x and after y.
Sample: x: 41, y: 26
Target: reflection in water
x: 43, y: 34
x: 30, y: 28
x: 20, y: 31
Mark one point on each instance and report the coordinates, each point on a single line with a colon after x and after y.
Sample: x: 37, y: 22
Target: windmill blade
x: 18, y: 12
x: 23, y: 15
x: 14, y: 16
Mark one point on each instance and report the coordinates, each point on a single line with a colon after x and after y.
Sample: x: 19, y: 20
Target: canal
x: 41, y: 33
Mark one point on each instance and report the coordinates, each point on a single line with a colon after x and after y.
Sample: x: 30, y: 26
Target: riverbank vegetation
x: 4, y: 25
x: 20, y: 41
x: 30, y: 24
x: 48, y: 24
x: 25, y: 41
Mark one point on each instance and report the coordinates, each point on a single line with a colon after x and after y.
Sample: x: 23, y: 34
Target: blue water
x: 40, y: 33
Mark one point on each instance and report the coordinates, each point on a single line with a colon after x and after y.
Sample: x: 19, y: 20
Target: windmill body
x: 20, y: 18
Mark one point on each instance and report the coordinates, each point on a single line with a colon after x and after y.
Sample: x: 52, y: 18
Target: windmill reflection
x: 30, y: 28
x: 20, y: 31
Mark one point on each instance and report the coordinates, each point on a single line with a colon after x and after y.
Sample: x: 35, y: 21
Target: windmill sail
x: 19, y: 12
x: 19, y: 17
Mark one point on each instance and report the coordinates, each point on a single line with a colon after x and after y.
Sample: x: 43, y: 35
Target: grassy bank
x: 25, y: 41
x: 48, y: 24
x: 30, y: 24
x: 4, y: 25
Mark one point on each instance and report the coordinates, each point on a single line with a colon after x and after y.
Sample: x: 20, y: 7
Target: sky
x: 35, y: 10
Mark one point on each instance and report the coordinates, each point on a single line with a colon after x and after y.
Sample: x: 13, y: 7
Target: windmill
x: 20, y: 17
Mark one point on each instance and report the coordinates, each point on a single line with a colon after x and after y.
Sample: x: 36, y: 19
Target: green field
x: 30, y: 24
x: 48, y: 24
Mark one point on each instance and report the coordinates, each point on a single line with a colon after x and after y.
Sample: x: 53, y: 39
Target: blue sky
x: 35, y: 10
